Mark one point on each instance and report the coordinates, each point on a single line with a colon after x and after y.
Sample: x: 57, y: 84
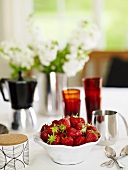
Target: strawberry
x: 53, y: 139
x: 79, y: 141
x: 68, y: 141
x: 53, y: 129
x: 55, y: 122
x: 44, y: 127
x: 72, y: 132
x: 91, y: 127
x: 63, y: 135
x: 75, y: 120
x: 81, y: 126
x: 91, y: 136
x: 64, y: 123
x: 44, y: 135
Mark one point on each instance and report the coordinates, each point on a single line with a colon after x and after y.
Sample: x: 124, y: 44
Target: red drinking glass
x: 91, y: 105
x: 92, y: 89
x: 71, y: 94
x: 72, y: 107
x: 92, y: 86
x: 72, y: 102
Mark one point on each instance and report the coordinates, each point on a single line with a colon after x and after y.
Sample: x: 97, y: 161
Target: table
x: 112, y: 99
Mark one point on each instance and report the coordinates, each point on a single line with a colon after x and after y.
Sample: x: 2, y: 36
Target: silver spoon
x: 110, y: 153
x: 110, y: 163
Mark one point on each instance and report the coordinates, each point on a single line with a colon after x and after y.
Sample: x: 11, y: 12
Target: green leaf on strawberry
x: 53, y: 139
x: 84, y: 128
x: 62, y: 128
x: 55, y: 129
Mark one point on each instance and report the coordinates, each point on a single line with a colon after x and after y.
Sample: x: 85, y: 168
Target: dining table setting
x: 113, y: 99
x: 40, y: 112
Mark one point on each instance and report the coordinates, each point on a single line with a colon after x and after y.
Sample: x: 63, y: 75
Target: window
x: 58, y: 17
x: 116, y: 24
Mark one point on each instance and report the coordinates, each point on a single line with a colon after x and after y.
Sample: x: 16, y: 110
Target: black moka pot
x: 21, y: 93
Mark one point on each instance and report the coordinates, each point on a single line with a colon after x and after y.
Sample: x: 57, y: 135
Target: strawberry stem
x: 51, y: 139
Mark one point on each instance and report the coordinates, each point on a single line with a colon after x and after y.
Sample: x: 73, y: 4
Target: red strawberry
x: 44, y: 127
x: 68, y: 141
x: 64, y: 123
x: 75, y: 120
x: 53, y: 139
x: 63, y: 135
x: 91, y: 136
x: 56, y: 122
x: 72, y: 132
x: 81, y: 126
x: 94, y: 128
x: 44, y: 135
x: 53, y: 129
x: 91, y: 127
x: 79, y: 141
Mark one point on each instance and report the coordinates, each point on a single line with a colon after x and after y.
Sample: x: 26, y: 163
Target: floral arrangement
x: 47, y: 55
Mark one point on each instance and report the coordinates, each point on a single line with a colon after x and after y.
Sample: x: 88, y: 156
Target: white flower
x: 71, y: 67
x: 74, y: 64
x: 85, y: 36
x: 48, y: 52
x: 18, y: 54
x: 82, y: 41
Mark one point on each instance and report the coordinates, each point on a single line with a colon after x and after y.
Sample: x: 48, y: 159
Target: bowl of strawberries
x: 68, y: 140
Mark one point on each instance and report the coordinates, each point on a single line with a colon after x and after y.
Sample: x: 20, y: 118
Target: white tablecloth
x: 112, y: 98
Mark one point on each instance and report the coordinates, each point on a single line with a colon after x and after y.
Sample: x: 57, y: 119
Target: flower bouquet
x: 48, y: 55
x: 70, y: 59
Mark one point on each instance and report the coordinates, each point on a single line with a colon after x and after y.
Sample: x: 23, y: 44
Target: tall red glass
x: 92, y: 103
x: 92, y: 88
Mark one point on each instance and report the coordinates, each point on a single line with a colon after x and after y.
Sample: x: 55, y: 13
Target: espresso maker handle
x: 2, y: 81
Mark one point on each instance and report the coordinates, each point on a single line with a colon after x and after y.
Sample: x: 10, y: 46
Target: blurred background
x: 58, y: 17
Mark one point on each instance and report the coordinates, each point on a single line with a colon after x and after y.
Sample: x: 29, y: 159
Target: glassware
x: 71, y: 101
x: 92, y: 88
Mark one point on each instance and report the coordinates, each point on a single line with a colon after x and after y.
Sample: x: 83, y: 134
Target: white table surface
x: 112, y: 98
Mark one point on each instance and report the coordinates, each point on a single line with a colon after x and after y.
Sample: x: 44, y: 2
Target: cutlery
x: 110, y: 153
x: 123, y: 153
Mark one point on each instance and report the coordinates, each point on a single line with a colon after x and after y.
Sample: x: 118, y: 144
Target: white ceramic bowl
x: 63, y: 154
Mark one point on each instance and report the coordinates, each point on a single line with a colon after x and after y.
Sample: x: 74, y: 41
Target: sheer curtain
x: 12, y: 18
